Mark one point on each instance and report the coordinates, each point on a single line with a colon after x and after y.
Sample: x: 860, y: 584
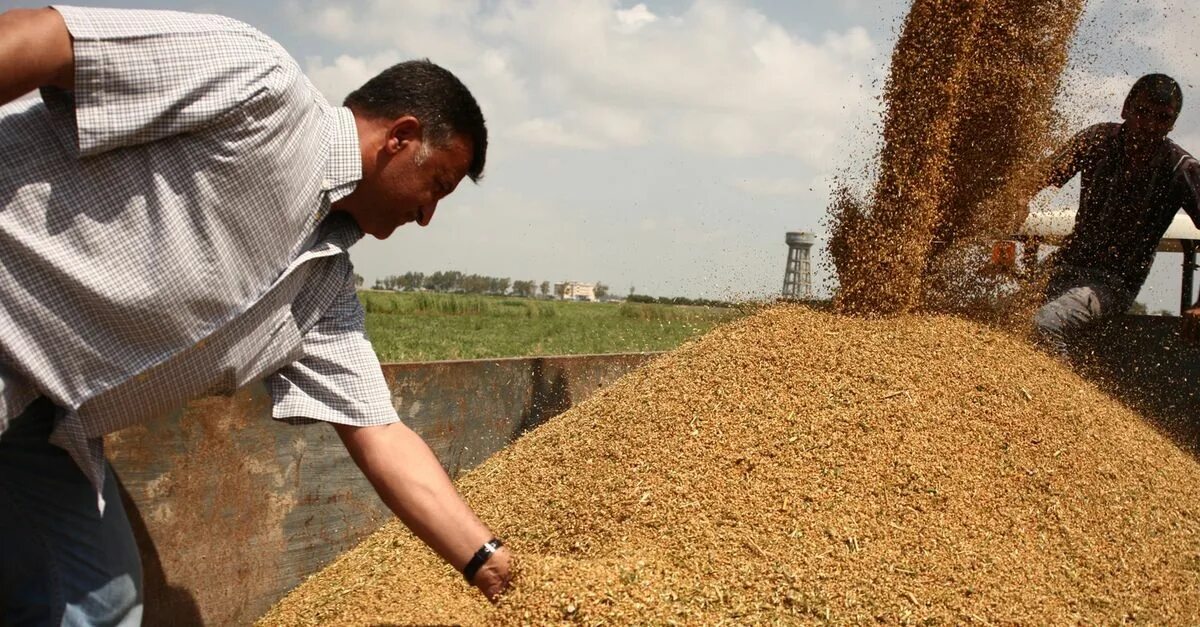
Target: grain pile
x: 798, y: 466
x: 969, y: 106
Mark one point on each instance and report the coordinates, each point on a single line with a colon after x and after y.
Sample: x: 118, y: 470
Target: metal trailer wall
x: 232, y: 509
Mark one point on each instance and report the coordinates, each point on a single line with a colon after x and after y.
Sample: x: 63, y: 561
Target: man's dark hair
x: 1156, y: 88
x: 434, y: 96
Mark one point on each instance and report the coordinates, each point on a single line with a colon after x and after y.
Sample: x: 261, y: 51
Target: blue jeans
x: 62, y: 562
x: 1075, y: 299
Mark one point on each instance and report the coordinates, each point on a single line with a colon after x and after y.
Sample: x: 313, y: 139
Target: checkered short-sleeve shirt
x: 166, y: 232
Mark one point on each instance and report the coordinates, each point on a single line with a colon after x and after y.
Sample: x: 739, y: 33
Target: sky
x: 669, y: 146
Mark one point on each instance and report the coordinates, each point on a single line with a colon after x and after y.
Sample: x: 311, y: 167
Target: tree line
x: 677, y: 300
x: 455, y: 281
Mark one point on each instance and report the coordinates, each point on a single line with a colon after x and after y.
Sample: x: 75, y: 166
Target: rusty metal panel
x: 467, y: 410
x: 233, y: 509
x: 209, y: 490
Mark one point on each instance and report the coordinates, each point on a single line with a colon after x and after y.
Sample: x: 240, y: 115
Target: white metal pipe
x: 1055, y: 225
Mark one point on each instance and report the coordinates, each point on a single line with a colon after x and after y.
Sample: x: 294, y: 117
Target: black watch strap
x: 480, y: 558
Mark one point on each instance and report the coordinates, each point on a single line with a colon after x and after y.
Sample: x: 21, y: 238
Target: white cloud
x: 1119, y: 41
x: 337, y: 79
x: 333, y: 21
x: 551, y: 133
x: 408, y: 25
x: 718, y: 76
x: 633, y: 19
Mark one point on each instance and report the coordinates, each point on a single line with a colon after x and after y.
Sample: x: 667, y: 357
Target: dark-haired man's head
x: 1152, y: 107
x: 421, y: 132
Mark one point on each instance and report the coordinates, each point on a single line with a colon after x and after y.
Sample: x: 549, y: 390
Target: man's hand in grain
x: 1191, y: 323
x: 494, y: 576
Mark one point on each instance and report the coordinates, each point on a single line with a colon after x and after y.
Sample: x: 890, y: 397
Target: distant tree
x: 524, y: 289
x: 1137, y: 309
x: 601, y: 290
x: 631, y: 288
x: 358, y: 280
x: 497, y: 285
x: 545, y: 288
x: 437, y: 282
x: 412, y: 281
x: 445, y: 281
x: 1163, y: 312
x: 560, y: 289
x: 474, y: 284
x: 389, y: 282
x: 677, y: 300
x: 454, y: 280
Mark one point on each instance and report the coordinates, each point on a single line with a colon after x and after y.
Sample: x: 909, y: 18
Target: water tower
x: 797, y: 276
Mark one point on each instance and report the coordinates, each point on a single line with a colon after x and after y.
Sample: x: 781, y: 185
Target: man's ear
x: 402, y: 131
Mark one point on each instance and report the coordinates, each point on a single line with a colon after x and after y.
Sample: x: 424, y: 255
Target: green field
x: 429, y: 326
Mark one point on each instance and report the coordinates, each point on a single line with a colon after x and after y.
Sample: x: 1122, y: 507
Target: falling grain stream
x: 969, y: 109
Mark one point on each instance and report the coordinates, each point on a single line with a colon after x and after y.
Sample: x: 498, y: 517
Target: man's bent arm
x: 35, y: 51
x: 411, y: 481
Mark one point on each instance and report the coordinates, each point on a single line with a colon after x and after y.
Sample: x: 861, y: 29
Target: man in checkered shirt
x: 175, y: 214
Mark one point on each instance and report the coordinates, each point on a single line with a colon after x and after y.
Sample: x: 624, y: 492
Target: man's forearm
x: 35, y: 51
x: 412, y: 483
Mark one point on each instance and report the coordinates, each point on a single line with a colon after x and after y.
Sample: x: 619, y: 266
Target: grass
x: 427, y: 326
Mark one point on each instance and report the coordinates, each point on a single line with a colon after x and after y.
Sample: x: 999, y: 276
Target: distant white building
x: 576, y: 291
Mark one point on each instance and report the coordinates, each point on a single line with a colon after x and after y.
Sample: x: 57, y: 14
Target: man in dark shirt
x: 1134, y: 181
